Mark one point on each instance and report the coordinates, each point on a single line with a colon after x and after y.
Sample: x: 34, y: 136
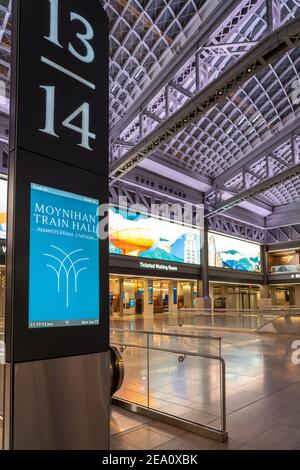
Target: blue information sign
x: 64, y: 259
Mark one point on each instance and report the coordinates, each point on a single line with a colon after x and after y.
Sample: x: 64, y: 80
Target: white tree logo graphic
x: 67, y: 267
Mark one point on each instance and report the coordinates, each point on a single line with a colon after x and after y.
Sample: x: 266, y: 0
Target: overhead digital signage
x: 146, y: 236
x: 64, y: 259
x: 231, y: 253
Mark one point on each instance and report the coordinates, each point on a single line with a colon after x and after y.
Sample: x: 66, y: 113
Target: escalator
x: 116, y: 368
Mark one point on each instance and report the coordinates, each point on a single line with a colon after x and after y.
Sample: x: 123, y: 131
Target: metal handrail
x: 162, y: 333
x: 170, y: 334
x: 237, y: 311
x: 190, y: 319
x: 149, y: 348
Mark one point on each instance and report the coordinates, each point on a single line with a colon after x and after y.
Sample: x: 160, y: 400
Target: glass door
x: 114, y: 296
x: 160, y: 296
x: 282, y: 296
x: 133, y: 297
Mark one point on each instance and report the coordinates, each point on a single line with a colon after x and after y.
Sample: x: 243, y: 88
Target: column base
x: 203, y: 303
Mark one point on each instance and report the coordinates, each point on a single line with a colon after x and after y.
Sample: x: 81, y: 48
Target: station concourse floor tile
x: 122, y: 421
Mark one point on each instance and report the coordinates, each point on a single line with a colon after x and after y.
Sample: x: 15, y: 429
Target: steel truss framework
x: 277, y: 44
x: 202, y: 64
x: 219, y: 223
x: 201, y: 81
x: 228, y: 226
x: 122, y: 193
x: 259, y: 178
x: 144, y: 35
x: 283, y: 235
x: 211, y: 16
x: 239, y: 124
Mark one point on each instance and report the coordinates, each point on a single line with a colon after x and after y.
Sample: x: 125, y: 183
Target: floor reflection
x: 262, y: 385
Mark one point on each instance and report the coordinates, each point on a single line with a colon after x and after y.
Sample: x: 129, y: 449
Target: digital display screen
x: 3, y: 208
x: 64, y: 259
x: 146, y: 236
x: 232, y: 253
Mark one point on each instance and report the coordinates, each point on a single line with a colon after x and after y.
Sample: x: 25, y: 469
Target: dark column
x: 265, y: 299
x: 204, y: 301
x: 264, y: 263
x: 57, y: 325
x: 205, y: 267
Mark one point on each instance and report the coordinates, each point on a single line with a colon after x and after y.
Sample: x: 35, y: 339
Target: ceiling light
x: 138, y: 74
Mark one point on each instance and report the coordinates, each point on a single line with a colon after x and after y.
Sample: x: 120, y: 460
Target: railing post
x: 223, y: 394
x: 188, y: 425
x: 148, y: 370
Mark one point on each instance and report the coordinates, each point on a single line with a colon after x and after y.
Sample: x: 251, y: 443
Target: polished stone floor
x: 262, y: 385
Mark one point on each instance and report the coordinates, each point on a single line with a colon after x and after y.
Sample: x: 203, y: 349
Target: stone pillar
x: 121, y: 287
x: 173, y: 307
x: 272, y: 290
x: 148, y: 299
x: 188, y: 295
x: 265, y: 300
x: 148, y: 315
x: 192, y: 288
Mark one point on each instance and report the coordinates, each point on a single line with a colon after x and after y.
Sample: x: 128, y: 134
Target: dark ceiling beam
x: 256, y: 190
x: 162, y: 165
x: 170, y: 165
x: 284, y: 216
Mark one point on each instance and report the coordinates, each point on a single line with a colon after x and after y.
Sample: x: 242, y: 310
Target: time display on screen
x: 64, y: 259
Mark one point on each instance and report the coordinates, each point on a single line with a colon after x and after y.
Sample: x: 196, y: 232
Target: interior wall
x: 283, y: 260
